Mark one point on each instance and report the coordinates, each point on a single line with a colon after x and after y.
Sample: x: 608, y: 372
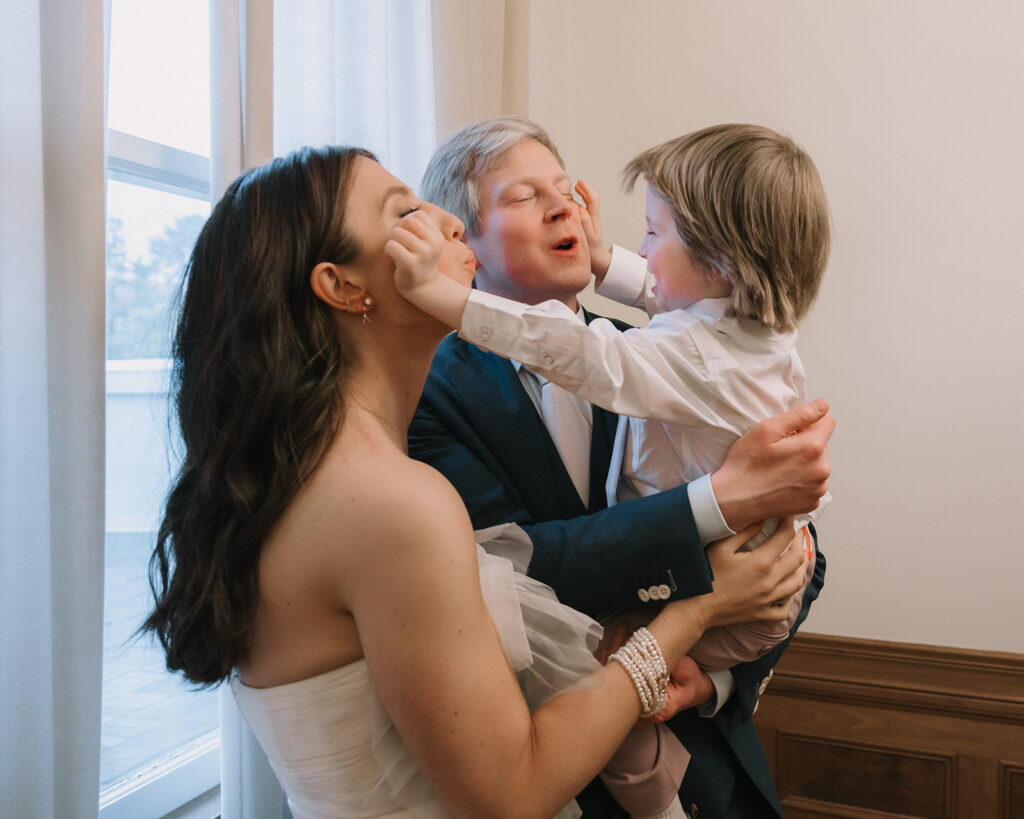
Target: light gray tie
x: 571, y: 432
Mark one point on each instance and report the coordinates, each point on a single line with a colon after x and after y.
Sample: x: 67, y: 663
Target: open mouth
x: 569, y: 243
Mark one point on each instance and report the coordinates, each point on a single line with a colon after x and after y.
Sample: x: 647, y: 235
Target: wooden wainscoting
x: 866, y: 728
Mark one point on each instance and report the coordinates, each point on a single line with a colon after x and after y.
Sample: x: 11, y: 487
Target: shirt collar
x: 710, y: 309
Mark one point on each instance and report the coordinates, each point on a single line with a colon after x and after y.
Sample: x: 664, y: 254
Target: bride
x: 335, y: 582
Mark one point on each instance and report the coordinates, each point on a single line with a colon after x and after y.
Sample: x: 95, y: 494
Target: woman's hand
x: 590, y: 218
x: 755, y: 585
x: 415, y: 247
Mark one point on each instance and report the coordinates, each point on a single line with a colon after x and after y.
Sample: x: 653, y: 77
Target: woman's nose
x: 451, y: 225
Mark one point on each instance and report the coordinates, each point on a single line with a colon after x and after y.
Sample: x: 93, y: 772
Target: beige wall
x: 914, y: 112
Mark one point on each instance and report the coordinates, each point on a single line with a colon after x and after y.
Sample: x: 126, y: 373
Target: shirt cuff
x: 724, y: 685
x: 711, y: 526
x: 626, y: 278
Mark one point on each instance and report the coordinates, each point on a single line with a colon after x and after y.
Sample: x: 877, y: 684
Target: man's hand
x: 780, y: 467
x: 688, y: 686
x: 590, y: 217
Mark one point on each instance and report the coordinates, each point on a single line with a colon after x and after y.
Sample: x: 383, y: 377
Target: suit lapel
x: 508, y: 425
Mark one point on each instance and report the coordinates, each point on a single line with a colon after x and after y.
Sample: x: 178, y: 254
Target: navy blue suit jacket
x: 477, y: 425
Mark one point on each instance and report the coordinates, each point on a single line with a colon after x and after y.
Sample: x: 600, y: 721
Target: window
x: 159, y: 737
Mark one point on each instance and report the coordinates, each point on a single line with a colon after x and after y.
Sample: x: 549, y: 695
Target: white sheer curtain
x: 357, y: 73
x: 241, y: 68
x: 51, y: 405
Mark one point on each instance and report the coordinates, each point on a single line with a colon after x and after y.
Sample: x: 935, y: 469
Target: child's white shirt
x: 688, y: 384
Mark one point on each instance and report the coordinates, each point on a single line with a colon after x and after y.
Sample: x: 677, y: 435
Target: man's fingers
x: 796, y: 420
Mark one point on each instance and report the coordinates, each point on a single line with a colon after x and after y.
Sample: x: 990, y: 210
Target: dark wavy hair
x: 256, y: 385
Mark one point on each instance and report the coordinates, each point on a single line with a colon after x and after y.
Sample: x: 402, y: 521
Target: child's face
x: 678, y: 281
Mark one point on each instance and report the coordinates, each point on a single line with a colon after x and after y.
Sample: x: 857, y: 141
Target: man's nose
x: 558, y: 206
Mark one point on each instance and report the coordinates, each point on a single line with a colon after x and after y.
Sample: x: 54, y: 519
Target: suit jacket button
x: 644, y: 595
x: 653, y: 593
x: 664, y: 592
x: 693, y: 811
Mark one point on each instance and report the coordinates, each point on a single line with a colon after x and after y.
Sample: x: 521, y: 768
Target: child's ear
x: 338, y: 288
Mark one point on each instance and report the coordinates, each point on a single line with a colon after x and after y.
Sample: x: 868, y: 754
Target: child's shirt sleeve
x: 628, y: 282
x: 657, y: 372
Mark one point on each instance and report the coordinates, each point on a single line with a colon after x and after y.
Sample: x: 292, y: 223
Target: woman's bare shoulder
x: 386, y: 504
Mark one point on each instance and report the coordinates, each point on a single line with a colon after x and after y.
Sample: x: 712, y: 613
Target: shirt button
x: 664, y: 592
x: 644, y: 595
x: 485, y: 333
x: 547, y: 359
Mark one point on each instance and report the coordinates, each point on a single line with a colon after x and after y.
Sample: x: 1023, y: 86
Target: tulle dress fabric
x: 336, y: 752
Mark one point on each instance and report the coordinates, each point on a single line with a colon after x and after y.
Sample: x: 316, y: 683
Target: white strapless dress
x: 334, y: 749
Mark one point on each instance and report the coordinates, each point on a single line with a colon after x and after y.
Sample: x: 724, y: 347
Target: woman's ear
x: 334, y: 285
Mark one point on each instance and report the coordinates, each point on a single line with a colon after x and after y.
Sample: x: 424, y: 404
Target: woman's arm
x: 408, y: 574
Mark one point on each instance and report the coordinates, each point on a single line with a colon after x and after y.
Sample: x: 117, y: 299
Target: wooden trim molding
x: 868, y: 728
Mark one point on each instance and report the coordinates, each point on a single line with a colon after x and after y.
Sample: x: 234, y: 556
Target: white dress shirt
x: 691, y: 382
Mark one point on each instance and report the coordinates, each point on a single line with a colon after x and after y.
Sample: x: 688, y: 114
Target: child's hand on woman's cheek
x: 415, y: 247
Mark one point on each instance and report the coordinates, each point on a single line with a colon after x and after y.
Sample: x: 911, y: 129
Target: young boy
x: 736, y: 245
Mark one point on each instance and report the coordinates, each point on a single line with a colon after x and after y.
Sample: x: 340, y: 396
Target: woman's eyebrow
x: 394, y: 190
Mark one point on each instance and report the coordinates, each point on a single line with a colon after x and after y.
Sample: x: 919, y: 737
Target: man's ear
x: 335, y: 285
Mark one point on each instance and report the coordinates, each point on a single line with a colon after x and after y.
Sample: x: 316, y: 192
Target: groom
x: 480, y: 423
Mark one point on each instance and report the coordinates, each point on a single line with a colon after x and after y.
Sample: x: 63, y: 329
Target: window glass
x: 147, y: 713
x: 159, y: 80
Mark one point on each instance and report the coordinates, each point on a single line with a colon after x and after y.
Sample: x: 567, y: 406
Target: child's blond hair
x: 748, y: 203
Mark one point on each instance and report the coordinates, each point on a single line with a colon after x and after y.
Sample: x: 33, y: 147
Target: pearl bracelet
x: 642, y: 659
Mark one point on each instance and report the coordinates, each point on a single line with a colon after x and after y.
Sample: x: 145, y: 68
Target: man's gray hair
x: 454, y: 171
